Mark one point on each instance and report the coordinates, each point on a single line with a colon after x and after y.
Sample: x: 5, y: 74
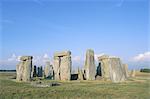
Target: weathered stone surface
x: 34, y: 72
x: 104, y: 66
x: 40, y: 71
x: 112, y: 68
x: 48, y: 71
x: 57, y: 68
x: 62, y: 65
x: 132, y: 73
x: 126, y: 70
x: 90, y: 69
x: 98, y: 70
x: 80, y: 74
x: 24, y: 68
x: 60, y: 54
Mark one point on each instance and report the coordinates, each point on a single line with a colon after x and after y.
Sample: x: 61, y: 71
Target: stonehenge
x: 132, y: 74
x: 24, y: 68
x: 62, y: 65
x: 89, y: 66
x: 126, y: 70
x: 48, y: 71
x: 109, y: 68
x: 80, y: 74
x: 34, y: 71
x: 40, y: 71
x: 112, y: 68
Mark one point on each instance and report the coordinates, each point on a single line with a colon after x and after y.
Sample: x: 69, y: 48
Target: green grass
x: 137, y: 88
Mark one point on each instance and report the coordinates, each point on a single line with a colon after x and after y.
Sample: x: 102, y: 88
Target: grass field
x: 133, y: 88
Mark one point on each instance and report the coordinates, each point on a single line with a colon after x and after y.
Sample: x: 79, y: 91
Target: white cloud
x: 140, y: 61
x: 76, y: 59
x: 45, y: 56
x: 14, y: 58
x: 144, y: 57
x: 41, y: 60
x: 77, y: 62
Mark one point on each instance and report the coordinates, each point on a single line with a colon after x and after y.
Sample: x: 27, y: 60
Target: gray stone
x: 48, y: 71
x: 34, y: 72
x: 112, y: 68
x: 90, y: 69
x: 126, y: 70
x: 104, y: 65
x: 132, y: 73
x: 80, y: 74
x: 24, y: 68
x: 61, y: 54
x: 62, y: 65
x: 40, y: 71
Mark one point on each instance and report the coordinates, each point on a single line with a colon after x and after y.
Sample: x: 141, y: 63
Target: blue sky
x: 41, y: 27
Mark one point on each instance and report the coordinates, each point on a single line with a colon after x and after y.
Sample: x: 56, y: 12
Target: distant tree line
x: 146, y: 70
x: 7, y: 70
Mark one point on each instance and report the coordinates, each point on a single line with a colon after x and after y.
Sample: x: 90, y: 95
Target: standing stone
x: 126, y: 70
x: 80, y: 74
x: 90, y: 69
x: 40, y: 71
x: 34, y: 72
x: 112, y: 68
x: 48, y: 71
x: 24, y: 68
x: 132, y: 73
x: 104, y: 67
x: 62, y: 65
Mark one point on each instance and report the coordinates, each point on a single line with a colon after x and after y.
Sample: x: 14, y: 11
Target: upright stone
x: 90, y: 69
x: 62, y: 65
x: 34, y: 72
x: 126, y: 70
x: 80, y: 74
x: 112, y: 68
x: 24, y: 68
x: 104, y: 67
x: 132, y: 73
x: 48, y: 71
x: 40, y: 71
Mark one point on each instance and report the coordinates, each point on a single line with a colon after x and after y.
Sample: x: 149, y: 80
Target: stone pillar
x: 34, y: 71
x: 24, y: 68
x: 89, y: 67
x: 19, y: 71
x: 56, y: 68
x: 80, y: 74
x: 62, y: 65
x: 117, y: 71
x: 112, y: 68
x: 40, y: 71
x: 126, y: 70
x: 104, y: 62
x: 48, y: 71
x: 132, y: 73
